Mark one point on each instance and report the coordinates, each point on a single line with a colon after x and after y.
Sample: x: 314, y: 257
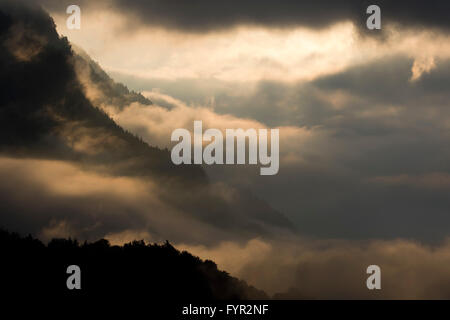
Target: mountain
x: 44, y: 111
x: 47, y: 121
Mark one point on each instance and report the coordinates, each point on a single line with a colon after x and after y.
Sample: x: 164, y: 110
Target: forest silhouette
x: 157, y: 271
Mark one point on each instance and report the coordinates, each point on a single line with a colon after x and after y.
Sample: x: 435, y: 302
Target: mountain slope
x: 44, y: 109
x: 46, y: 115
x: 109, y: 93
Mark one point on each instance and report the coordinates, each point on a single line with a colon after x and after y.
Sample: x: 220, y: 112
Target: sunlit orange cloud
x: 335, y: 269
x: 243, y: 53
x: 155, y: 125
x: 60, y: 195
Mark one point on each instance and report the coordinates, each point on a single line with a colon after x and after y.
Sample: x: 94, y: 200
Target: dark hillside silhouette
x: 135, y: 269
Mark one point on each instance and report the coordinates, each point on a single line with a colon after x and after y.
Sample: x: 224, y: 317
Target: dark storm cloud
x: 205, y: 15
x: 210, y: 15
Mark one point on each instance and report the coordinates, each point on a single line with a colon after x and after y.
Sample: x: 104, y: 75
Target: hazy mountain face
x: 71, y: 170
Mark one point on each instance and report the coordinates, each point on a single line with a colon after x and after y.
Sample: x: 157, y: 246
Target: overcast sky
x: 362, y: 115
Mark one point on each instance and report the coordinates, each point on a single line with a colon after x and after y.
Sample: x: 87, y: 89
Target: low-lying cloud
x: 334, y: 269
x: 52, y: 198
